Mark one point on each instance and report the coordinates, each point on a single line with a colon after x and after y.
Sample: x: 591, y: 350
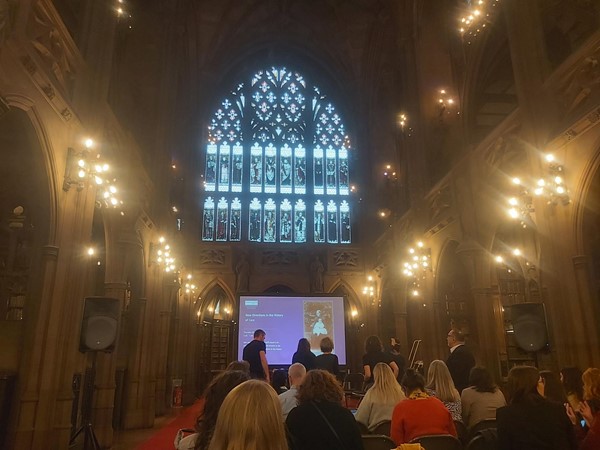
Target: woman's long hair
x: 214, y: 394
x: 385, y: 389
x: 553, y: 389
x: 481, y: 379
x: 303, y: 346
x: 250, y: 419
x: 319, y: 386
x: 572, y: 383
x: 373, y: 344
x: 440, y: 380
x: 591, y: 384
x: 522, y: 385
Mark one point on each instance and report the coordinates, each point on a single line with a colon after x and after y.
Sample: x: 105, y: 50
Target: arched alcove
x: 454, y: 294
x: 353, y: 324
x: 216, y: 333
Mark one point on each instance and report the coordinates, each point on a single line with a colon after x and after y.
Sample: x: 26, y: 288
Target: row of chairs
x: 435, y: 442
x: 481, y: 437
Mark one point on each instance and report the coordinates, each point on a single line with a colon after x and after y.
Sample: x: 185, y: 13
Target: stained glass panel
x: 277, y: 135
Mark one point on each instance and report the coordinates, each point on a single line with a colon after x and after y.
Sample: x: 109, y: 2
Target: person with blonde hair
x: 441, y: 386
x: 320, y: 422
x: 590, y: 411
x: 250, y: 419
x: 379, y: 401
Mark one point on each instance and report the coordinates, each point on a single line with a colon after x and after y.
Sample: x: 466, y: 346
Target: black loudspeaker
x: 529, y: 325
x: 100, y: 324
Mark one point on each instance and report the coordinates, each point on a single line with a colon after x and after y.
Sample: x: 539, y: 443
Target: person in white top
x: 380, y: 400
x: 288, y: 400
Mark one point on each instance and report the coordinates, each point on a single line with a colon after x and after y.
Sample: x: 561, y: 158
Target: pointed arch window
x: 275, y: 146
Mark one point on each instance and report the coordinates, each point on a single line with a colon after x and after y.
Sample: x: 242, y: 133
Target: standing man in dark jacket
x: 255, y: 352
x: 461, y: 361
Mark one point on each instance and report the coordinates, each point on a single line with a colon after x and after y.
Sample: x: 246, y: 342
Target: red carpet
x: 163, y: 438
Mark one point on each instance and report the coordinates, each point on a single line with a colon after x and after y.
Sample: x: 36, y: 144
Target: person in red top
x: 419, y: 414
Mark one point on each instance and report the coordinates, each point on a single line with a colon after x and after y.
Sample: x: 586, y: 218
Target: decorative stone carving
x: 440, y: 203
x: 211, y: 257
x: 345, y: 258
x: 50, y: 45
x: 505, y: 148
x: 278, y: 257
x: 7, y: 18
x: 242, y: 271
x: 581, y: 81
x: 316, y: 270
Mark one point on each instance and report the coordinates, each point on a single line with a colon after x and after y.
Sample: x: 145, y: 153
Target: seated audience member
x: 327, y: 360
x: 288, y: 400
x: 304, y: 356
x: 590, y: 411
x: 441, y: 386
x: 553, y: 389
x: 279, y: 381
x: 530, y: 422
x: 380, y: 400
x: 242, y: 365
x: 570, y: 378
x: 481, y: 400
x: 320, y: 422
x: 250, y: 419
x: 214, y: 394
x: 374, y: 354
x: 419, y: 414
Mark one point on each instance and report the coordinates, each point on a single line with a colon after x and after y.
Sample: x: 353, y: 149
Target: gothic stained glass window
x: 276, y: 145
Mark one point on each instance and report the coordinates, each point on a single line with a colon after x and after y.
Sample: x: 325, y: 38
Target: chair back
x: 354, y: 382
x: 363, y: 428
x: 486, y: 439
x: 462, y: 432
x: 377, y: 442
x: 438, y: 442
x: 383, y: 427
x: 483, y: 425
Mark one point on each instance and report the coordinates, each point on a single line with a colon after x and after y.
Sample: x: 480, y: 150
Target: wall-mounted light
x: 161, y: 255
x: 87, y: 167
x: 369, y: 290
x: 550, y: 187
x: 416, y: 266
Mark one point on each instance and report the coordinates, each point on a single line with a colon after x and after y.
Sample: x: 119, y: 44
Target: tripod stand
x: 90, y: 441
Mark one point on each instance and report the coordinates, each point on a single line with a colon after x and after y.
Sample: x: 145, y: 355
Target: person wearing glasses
x: 461, y: 360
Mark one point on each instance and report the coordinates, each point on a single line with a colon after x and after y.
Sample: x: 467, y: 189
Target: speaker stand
x: 90, y: 441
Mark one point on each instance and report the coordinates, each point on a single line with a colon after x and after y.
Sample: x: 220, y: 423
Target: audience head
x: 591, y: 384
x: 440, y: 380
x: 319, y: 386
x: 296, y: 372
x: 250, y: 419
x: 279, y: 380
x: 523, y: 384
x: 303, y: 346
x: 214, y: 394
x: 260, y: 335
x: 385, y: 388
x: 571, y: 380
x: 553, y: 389
x: 242, y: 365
x: 326, y: 345
x: 373, y: 344
x: 481, y: 379
x: 455, y: 337
x: 412, y: 381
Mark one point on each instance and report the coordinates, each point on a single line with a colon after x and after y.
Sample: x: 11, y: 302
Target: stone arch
x: 352, y: 323
x: 279, y: 289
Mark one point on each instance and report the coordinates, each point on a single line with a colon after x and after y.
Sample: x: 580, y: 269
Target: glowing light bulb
x: 513, y: 201
x: 91, y: 251
x: 549, y: 157
x: 512, y: 212
x: 560, y: 190
x: 516, y: 252
x: 415, y: 293
x: 89, y: 143
x: 516, y: 181
x: 499, y: 259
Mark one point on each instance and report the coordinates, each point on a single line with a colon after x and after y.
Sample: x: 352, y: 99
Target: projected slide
x: 288, y: 319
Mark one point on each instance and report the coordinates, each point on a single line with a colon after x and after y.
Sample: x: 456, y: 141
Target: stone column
x: 588, y: 337
x: 487, y: 315
x: 29, y: 394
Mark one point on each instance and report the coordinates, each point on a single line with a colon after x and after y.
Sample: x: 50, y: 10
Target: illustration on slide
x: 318, y: 322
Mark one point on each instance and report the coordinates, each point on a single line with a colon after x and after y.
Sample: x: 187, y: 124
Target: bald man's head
x: 296, y: 372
